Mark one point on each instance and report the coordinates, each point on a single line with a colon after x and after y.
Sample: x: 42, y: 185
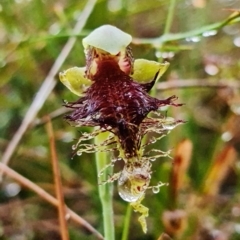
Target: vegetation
x: 201, y: 40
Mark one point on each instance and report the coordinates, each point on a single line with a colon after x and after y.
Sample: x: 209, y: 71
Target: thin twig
x: 47, y: 197
x: 58, y: 184
x: 48, y: 85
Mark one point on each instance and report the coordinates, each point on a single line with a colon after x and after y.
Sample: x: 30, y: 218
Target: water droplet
x: 169, y: 126
x: 12, y: 189
x: 132, y: 185
x: 169, y: 123
x: 209, y: 33
x: 168, y: 55
x: 114, y: 5
x: 74, y: 147
x: 79, y: 153
x: 236, y: 41
x: 226, y: 136
x: 156, y: 189
x: 126, y: 195
x: 193, y: 39
x: 211, y: 69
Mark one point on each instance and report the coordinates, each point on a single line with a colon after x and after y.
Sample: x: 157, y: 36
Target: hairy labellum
x: 114, y: 100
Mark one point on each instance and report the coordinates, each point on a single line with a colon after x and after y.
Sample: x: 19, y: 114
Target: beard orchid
x: 113, y: 91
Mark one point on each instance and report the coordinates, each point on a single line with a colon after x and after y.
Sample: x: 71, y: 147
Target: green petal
x: 108, y: 38
x: 145, y: 70
x: 74, y: 80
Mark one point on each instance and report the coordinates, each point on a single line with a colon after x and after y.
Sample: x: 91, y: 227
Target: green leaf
x: 74, y: 80
x: 145, y: 70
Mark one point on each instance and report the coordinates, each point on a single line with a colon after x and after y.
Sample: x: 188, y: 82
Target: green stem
x: 167, y: 28
x: 170, y: 16
x: 126, y: 223
x: 159, y: 41
x: 105, y: 190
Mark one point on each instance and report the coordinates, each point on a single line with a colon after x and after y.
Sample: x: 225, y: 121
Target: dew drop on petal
x: 125, y: 191
x: 127, y: 196
x: 131, y: 186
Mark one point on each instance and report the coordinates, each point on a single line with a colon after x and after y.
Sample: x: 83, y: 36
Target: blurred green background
x: 33, y: 33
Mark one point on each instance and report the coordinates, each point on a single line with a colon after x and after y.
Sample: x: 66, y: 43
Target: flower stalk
x: 105, y: 190
x: 126, y: 223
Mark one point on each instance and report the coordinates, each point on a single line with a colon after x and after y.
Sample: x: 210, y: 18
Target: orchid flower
x: 113, y: 90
